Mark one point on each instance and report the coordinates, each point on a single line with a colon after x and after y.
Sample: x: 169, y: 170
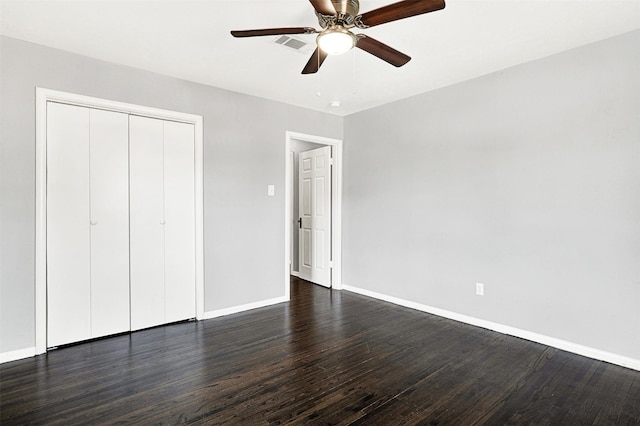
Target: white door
x: 162, y: 221
x: 68, y: 234
x: 109, y: 166
x: 179, y: 228
x: 315, y: 216
x: 146, y: 185
x: 87, y: 224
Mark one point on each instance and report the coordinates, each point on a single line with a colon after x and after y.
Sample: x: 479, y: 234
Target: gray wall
x: 527, y: 180
x: 244, y: 151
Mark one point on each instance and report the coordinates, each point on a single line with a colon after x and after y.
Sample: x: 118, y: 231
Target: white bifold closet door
x: 162, y: 221
x: 87, y: 223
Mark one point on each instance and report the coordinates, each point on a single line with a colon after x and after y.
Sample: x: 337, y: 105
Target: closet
x: 120, y: 222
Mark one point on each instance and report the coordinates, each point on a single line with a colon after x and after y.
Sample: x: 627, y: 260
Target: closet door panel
x: 180, y: 221
x: 109, y: 222
x: 146, y: 222
x: 68, y: 235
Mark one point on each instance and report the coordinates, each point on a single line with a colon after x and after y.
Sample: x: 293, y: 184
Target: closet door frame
x: 43, y: 96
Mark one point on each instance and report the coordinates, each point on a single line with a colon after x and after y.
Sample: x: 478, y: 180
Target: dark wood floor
x: 326, y: 357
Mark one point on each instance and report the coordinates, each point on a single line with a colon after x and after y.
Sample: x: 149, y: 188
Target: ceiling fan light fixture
x: 336, y: 17
x: 336, y: 41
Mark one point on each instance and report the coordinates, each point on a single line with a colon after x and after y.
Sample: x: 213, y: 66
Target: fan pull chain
x: 318, y: 94
x: 355, y: 89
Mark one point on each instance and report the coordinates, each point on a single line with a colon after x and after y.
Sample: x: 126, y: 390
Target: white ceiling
x: 190, y: 40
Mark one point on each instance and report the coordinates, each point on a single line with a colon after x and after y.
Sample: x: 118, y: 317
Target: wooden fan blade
x: 382, y: 51
x: 315, y: 61
x: 273, y: 31
x: 400, y: 10
x: 323, y: 7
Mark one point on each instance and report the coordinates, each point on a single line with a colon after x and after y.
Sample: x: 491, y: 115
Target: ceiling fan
x: 337, y: 17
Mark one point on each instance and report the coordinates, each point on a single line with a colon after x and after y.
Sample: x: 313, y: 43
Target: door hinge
x: 331, y: 264
x: 331, y: 161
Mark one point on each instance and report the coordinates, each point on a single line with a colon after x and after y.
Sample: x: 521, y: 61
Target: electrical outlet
x: 480, y: 289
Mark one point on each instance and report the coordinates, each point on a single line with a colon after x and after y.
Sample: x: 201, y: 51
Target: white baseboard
x: 295, y: 274
x: 242, y: 308
x: 17, y: 354
x: 505, y: 329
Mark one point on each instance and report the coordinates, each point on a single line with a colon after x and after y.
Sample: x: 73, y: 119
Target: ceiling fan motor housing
x: 346, y: 12
x: 346, y: 7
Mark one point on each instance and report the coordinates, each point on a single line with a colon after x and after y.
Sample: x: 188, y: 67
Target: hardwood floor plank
x: 326, y: 357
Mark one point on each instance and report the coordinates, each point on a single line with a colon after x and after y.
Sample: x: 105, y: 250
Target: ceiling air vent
x: 295, y: 44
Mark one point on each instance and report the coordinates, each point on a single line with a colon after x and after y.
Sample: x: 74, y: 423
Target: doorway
x: 296, y: 143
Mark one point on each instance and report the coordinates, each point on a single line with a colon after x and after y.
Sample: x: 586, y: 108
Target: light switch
x: 271, y: 190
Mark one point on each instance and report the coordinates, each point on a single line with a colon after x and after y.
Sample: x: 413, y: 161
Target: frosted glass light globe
x: 336, y: 41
